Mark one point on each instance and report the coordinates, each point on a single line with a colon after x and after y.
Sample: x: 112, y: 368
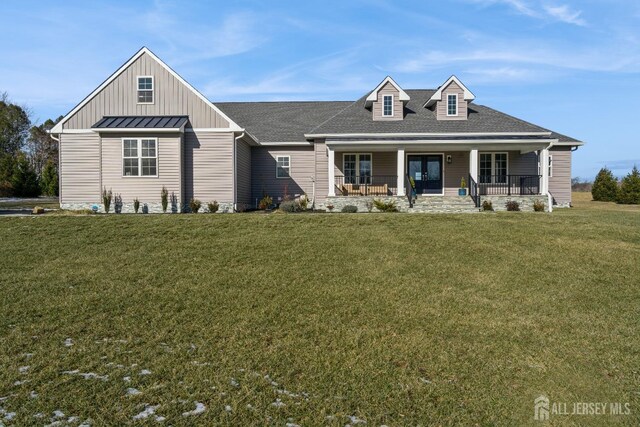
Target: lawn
x: 393, y: 319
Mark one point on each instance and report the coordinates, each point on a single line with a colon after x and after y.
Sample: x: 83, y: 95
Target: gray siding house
x: 145, y: 128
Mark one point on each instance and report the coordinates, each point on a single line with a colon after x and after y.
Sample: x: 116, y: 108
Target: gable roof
x: 373, y: 96
x: 437, y: 96
x: 144, y: 50
x: 281, y: 121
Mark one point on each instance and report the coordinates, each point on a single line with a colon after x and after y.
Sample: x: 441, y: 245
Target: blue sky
x: 571, y: 66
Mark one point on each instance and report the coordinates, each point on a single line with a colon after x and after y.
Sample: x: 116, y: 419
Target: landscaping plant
x: 164, y: 198
x: 136, y: 205
x: 487, y: 205
x: 213, y: 206
x: 605, y: 186
x: 117, y: 203
x: 107, y: 196
x: 290, y: 206
x: 512, y: 206
x: 265, y: 203
x: 369, y: 205
x: 538, y: 206
x: 194, y: 205
x: 629, y: 193
x: 349, y: 209
x: 383, y: 206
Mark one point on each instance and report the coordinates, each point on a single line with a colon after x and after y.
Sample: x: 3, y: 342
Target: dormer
x: 451, y: 100
x: 387, y: 101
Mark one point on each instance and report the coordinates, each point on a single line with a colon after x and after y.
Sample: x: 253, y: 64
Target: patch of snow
x: 9, y: 416
x: 133, y: 391
x: 278, y: 403
x: 33, y: 394
x: 148, y: 411
x: 234, y: 382
x: 200, y: 408
x: 38, y: 415
x: 58, y: 414
x: 23, y: 369
x: 292, y: 425
x: 426, y: 381
x: 87, y: 375
x: 196, y: 363
x: 228, y: 408
x: 249, y: 406
x: 20, y: 382
x: 27, y: 355
x: 72, y: 420
x: 145, y: 372
x: 126, y: 379
x: 159, y: 419
x: 355, y: 420
x: 68, y: 342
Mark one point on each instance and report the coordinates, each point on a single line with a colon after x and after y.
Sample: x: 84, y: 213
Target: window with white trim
x: 387, y: 105
x: 283, y: 166
x: 139, y: 157
x: 494, y: 168
x: 357, y: 168
x: 145, y: 89
x: 452, y: 104
x: 550, y: 166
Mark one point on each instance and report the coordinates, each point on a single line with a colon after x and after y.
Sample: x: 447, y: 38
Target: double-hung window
x: 387, y: 105
x: 139, y: 157
x: 283, y: 166
x: 452, y: 104
x: 145, y: 89
x: 357, y: 168
x: 493, y: 168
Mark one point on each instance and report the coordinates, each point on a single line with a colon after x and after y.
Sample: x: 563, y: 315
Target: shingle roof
x: 289, y: 121
x: 280, y: 121
x: 141, y: 122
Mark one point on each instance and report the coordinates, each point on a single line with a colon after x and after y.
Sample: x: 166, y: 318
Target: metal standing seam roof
x: 141, y: 122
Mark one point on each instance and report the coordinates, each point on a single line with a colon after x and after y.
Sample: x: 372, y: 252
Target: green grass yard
x: 394, y: 319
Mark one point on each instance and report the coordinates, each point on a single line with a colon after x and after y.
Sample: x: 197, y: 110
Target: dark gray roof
x: 141, y: 122
x: 280, y: 121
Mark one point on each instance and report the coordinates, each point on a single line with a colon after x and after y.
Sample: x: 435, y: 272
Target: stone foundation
x: 361, y: 202
x: 525, y: 202
x: 154, y: 208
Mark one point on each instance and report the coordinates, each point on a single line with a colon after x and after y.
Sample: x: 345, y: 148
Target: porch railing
x: 366, y: 185
x: 473, y: 191
x: 508, y: 185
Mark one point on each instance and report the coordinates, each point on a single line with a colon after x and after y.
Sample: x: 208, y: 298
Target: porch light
x: 449, y: 160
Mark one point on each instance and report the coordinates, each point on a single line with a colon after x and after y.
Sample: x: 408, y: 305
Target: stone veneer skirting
x: 525, y: 202
x: 153, y: 207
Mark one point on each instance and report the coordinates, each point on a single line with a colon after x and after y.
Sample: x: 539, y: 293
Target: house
x: 145, y: 128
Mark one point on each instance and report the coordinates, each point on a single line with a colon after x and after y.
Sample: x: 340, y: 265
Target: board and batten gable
x: 441, y: 106
x: 398, y: 106
x: 171, y: 97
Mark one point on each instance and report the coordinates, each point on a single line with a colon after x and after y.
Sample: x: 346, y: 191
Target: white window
x: 550, y: 166
x: 494, y: 168
x: 283, y: 166
x: 452, y: 104
x: 387, y: 105
x: 357, y: 168
x: 139, y: 157
x: 145, y: 89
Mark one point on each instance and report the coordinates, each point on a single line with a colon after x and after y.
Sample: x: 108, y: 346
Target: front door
x: 426, y: 171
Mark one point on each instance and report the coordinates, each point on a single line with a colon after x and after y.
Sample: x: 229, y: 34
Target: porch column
x: 332, y: 171
x: 400, y: 172
x: 473, y: 164
x: 544, y: 171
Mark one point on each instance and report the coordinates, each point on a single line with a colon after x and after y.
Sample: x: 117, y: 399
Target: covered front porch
x: 431, y: 171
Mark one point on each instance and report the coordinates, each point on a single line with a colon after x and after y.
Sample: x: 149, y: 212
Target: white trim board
x: 468, y: 95
x: 57, y: 129
x: 411, y: 135
x: 373, y: 96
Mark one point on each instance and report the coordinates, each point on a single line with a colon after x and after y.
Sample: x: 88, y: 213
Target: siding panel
x: 208, y: 166
x: 243, y: 173
x: 560, y: 182
x: 398, y: 107
x: 80, y: 168
x: 441, y: 106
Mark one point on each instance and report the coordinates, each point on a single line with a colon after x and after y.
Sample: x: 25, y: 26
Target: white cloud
x: 565, y: 14
x: 538, y: 10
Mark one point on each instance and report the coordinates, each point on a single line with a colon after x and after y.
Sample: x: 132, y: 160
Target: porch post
x: 473, y: 164
x: 544, y: 166
x: 400, y: 172
x: 332, y: 171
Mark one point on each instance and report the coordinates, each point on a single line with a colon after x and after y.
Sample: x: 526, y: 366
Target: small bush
x: 463, y: 183
x: 136, y: 205
x: 512, y: 206
x: 383, y: 206
x: 117, y: 203
x: 265, y: 203
x: 330, y: 207
x: 107, y: 196
x: 349, y: 209
x: 290, y: 206
x: 630, y: 188
x: 145, y: 209
x: 213, y: 206
x: 174, y: 202
x: 164, y: 198
x: 369, y: 205
x: 194, y: 205
x: 538, y: 206
x: 605, y: 186
x: 487, y: 205
x: 304, y: 202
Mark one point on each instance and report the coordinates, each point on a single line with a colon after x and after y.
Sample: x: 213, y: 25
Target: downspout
x: 235, y: 172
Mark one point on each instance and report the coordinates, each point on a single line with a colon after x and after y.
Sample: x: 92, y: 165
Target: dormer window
x: 145, y: 89
x: 452, y: 104
x: 387, y: 105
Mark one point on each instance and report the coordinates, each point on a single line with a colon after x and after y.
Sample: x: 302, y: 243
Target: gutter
x: 411, y: 135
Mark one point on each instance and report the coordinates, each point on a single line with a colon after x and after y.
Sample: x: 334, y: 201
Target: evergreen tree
x: 630, y: 188
x: 605, y: 186
x: 49, y: 179
x: 24, y: 179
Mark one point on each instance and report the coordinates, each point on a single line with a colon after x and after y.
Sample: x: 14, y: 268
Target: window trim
x: 357, y: 169
x: 152, y: 90
x: 139, y: 151
x: 456, y: 96
x: 288, y: 156
x: 392, y: 112
x: 493, y: 166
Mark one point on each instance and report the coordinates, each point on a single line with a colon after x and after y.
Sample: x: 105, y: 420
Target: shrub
x: 174, y: 203
x: 117, y: 203
x: 145, y: 209
x: 164, y: 198
x: 24, y: 180
x: 304, y: 202
x: 49, y: 179
x: 463, y: 183
x: 512, y: 206
x: 349, y: 209
x: 265, y: 203
x: 330, y: 207
x: 369, y: 205
x: 605, y: 186
x: 538, y: 206
x: 213, y: 206
x: 383, y: 206
x: 194, y: 205
x: 136, y: 204
x: 107, y: 196
x: 290, y: 206
x: 629, y: 192
x: 487, y: 205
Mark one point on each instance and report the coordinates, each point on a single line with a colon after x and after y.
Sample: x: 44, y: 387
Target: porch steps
x: 443, y: 204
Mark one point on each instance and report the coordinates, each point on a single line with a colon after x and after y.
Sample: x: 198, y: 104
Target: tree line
x: 607, y: 188
x: 28, y: 154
